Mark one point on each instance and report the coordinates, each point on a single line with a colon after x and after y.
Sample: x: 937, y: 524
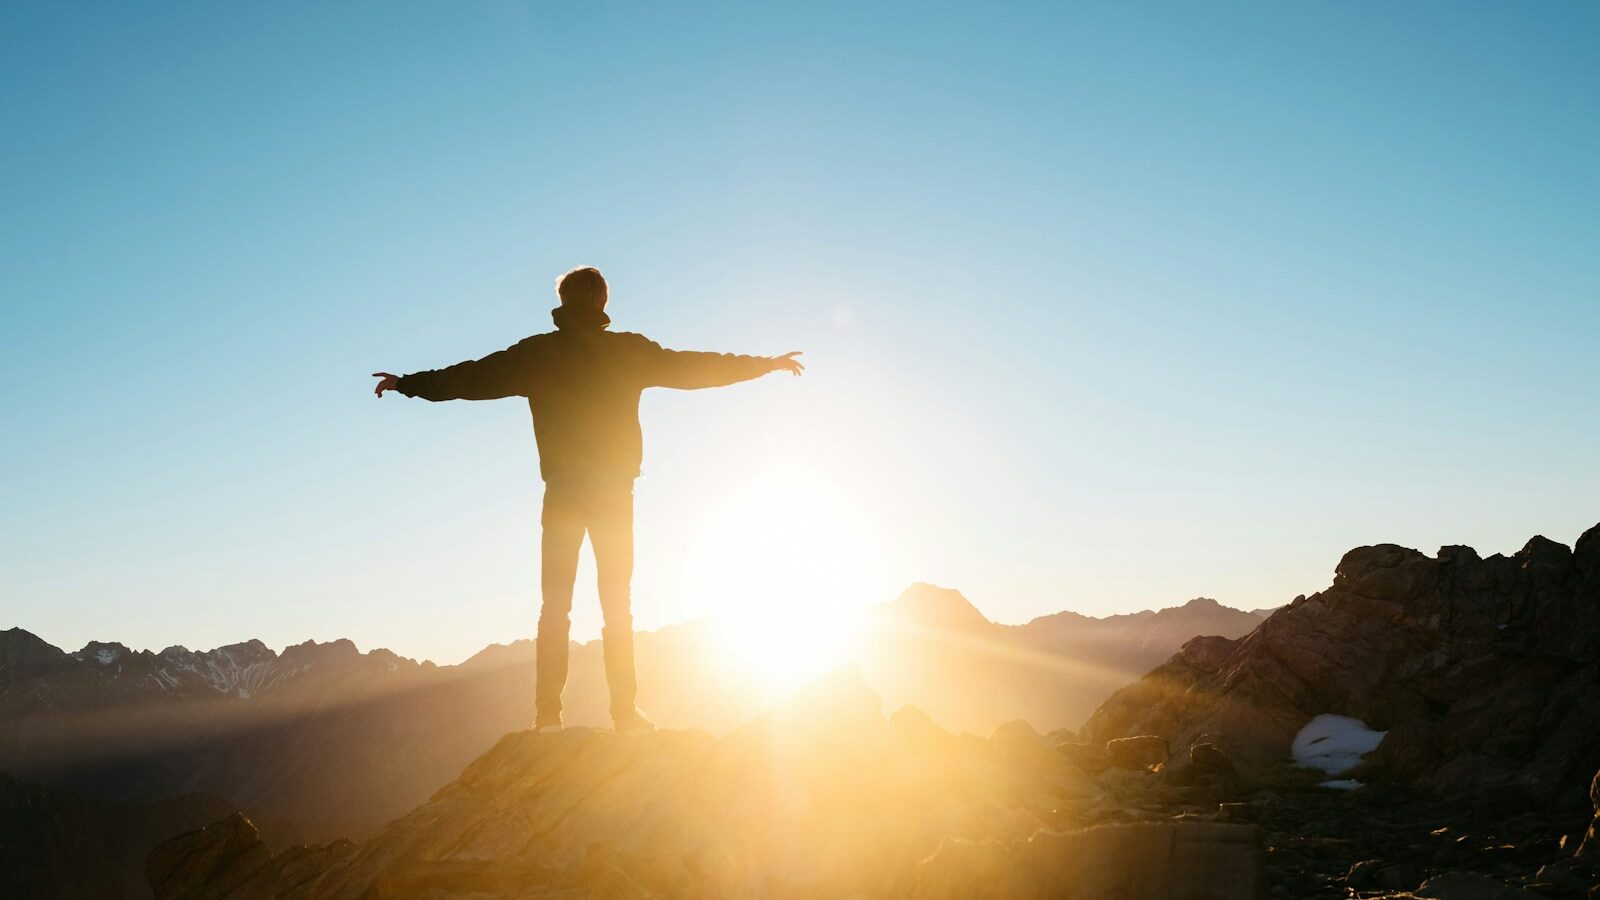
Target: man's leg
x: 563, y: 523
x: 611, y: 534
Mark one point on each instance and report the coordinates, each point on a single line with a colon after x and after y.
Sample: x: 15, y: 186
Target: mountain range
x: 323, y: 741
x: 1454, y: 694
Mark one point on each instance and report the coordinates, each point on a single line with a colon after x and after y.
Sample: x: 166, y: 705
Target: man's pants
x: 605, y: 511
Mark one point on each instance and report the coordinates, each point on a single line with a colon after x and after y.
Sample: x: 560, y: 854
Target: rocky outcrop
x: 822, y: 797
x: 229, y: 859
x: 1484, y: 672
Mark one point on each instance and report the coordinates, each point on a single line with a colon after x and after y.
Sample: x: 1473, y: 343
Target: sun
x: 784, y: 576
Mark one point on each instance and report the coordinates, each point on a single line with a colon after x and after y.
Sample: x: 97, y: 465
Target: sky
x: 1105, y: 306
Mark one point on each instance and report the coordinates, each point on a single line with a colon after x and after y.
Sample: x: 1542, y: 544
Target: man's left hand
x: 788, y: 363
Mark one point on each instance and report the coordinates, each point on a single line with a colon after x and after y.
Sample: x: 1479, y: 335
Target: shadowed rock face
x: 1485, y: 672
x: 55, y: 844
x: 228, y: 858
x: 822, y: 797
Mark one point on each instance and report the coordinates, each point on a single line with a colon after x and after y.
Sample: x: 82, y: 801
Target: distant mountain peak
x: 18, y: 638
x: 930, y: 605
x: 101, y: 652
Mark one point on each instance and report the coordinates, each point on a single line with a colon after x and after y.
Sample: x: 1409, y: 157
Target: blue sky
x: 1105, y: 305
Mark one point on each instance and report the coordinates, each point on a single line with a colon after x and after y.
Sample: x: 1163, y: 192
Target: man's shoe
x: 634, y: 724
x: 547, y: 726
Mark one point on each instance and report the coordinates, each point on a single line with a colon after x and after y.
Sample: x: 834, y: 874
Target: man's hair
x: 583, y: 286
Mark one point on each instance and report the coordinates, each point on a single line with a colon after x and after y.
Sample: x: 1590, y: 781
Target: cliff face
x: 1484, y: 672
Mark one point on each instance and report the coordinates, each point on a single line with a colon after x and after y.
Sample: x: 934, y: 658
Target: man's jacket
x: 583, y: 386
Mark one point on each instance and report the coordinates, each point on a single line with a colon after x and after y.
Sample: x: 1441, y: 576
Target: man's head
x: 583, y: 287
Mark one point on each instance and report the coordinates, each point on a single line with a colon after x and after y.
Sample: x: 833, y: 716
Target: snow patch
x: 106, y: 656
x: 1341, y: 784
x: 1334, y: 744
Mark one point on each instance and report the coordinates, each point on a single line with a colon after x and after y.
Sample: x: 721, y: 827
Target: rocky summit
x: 823, y: 797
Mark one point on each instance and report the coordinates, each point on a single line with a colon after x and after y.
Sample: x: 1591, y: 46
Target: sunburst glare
x: 784, y: 574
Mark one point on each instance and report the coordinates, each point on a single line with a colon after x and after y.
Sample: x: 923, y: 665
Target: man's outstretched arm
x: 504, y: 373
x: 690, y: 369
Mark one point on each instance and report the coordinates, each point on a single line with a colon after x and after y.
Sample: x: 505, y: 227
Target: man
x: 583, y: 384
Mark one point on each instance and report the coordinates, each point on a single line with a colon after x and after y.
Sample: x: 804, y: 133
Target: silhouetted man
x: 583, y: 384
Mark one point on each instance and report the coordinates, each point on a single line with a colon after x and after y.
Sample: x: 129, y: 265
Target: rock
x: 1210, y: 761
x: 1467, y: 886
x: 1126, y: 784
x: 1401, y: 877
x: 1145, y: 751
x: 1590, y: 848
x: 1482, y: 670
x: 1150, y: 861
x: 1206, y: 770
x: 1016, y: 743
x: 1062, y: 736
x: 1091, y: 758
x: 227, y: 857
x: 1360, y: 874
x: 1567, y: 876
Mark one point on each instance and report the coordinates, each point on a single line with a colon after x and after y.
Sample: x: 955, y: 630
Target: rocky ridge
x: 1484, y: 672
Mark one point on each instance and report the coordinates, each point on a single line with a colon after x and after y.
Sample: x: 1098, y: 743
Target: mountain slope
x: 54, y: 844
x: 931, y: 648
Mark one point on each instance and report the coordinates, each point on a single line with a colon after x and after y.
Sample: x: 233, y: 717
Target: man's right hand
x: 386, y: 382
x: 788, y: 363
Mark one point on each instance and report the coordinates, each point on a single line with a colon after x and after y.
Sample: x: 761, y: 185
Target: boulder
x: 1207, y: 767
x: 1145, y: 751
x: 1091, y: 758
x: 1016, y: 743
x: 1360, y: 874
